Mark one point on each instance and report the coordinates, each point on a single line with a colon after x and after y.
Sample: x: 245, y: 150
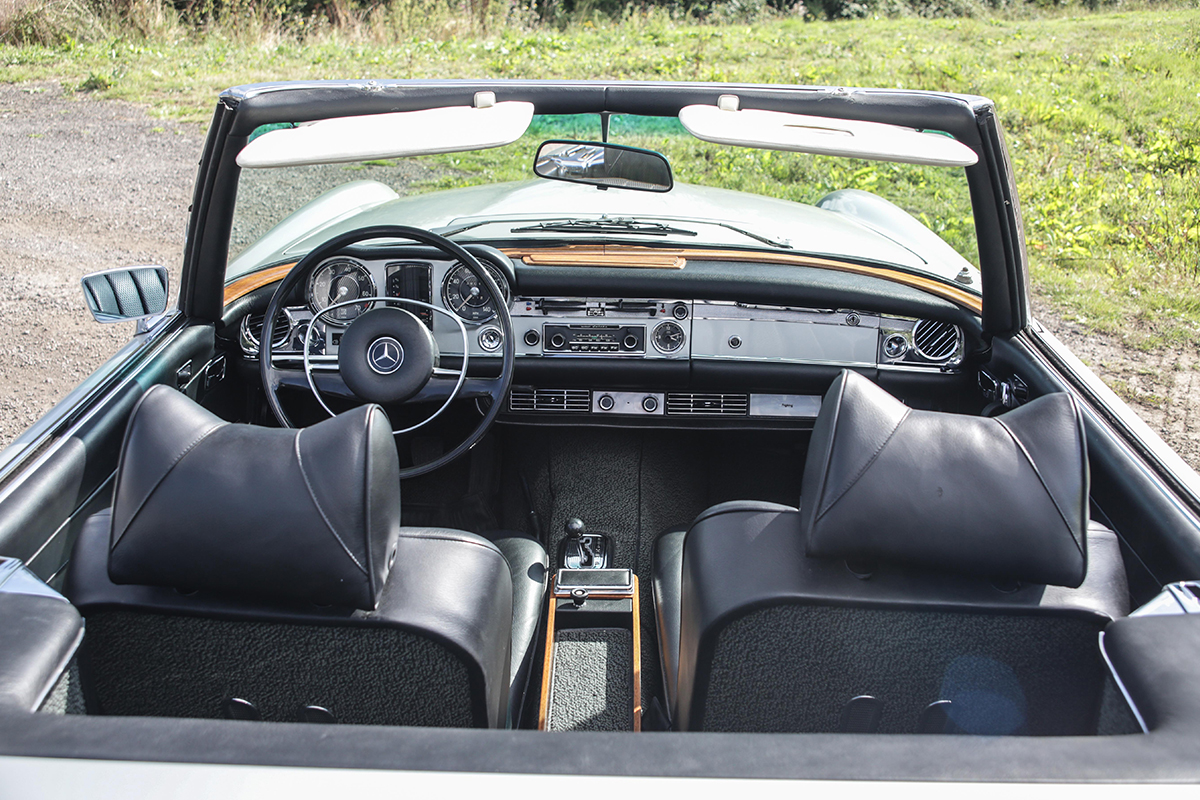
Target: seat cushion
x: 528, y: 565
x: 668, y: 576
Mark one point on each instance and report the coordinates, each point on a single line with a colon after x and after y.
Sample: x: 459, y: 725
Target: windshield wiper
x: 782, y: 243
x: 448, y: 232
x: 604, y: 225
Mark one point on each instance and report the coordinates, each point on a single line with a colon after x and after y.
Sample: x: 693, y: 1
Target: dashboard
x: 612, y: 333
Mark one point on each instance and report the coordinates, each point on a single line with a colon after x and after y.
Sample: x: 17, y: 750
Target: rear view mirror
x: 603, y: 165
x: 128, y: 293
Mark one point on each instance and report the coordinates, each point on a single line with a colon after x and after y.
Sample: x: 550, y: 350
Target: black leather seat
x: 263, y: 573
x: 934, y: 557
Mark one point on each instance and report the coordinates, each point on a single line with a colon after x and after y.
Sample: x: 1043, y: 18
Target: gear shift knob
x: 575, y: 527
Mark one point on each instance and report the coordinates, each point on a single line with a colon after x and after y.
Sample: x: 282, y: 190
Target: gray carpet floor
x: 592, y: 686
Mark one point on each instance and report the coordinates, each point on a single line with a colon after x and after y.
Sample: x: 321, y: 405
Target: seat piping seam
x: 1045, y: 488
x: 829, y: 506
x: 159, y: 482
x: 491, y: 548
x: 321, y: 511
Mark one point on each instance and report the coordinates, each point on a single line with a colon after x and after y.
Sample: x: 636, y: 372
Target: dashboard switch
x: 532, y: 337
x: 649, y: 403
x: 490, y: 339
x: 606, y: 402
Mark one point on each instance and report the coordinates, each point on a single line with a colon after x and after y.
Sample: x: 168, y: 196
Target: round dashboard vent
x: 253, y: 325
x: 936, y: 341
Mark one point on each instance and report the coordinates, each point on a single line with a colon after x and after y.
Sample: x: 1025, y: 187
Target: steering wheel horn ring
x: 460, y: 375
x: 418, y: 361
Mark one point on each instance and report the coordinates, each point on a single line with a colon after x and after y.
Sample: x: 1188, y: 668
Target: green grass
x: 1102, y: 113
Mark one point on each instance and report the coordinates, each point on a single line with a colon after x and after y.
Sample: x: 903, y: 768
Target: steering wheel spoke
x: 387, y: 355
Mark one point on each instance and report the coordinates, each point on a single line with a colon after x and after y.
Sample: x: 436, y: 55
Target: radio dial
x: 557, y: 341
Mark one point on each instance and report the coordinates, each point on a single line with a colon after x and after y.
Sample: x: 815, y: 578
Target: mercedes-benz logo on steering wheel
x: 385, y: 355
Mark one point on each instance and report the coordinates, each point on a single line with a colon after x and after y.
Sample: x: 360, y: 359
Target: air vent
x: 252, y: 326
x: 550, y: 400
x: 937, y: 341
x: 728, y: 405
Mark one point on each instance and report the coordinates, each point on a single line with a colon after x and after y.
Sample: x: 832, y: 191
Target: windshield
x: 914, y: 217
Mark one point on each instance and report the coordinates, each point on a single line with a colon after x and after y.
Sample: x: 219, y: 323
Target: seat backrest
x: 935, y: 557
x: 263, y: 573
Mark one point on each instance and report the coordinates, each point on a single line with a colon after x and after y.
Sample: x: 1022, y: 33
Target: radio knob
x: 557, y: 341
x: 532, y: 337
x: 631, y: 342
x: 606, y: 402
x: 649, y: 404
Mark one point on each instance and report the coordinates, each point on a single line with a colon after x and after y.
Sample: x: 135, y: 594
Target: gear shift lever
x: 575, y: 527
x: 581, y: 550
x: 580, y: 543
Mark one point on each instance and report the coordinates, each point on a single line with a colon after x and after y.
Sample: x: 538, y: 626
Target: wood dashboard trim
x: 650, y: 257
x: 255, y: 280
x: 602, y: 256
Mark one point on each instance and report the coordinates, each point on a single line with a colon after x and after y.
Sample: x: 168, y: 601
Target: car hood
x: 808, y: 229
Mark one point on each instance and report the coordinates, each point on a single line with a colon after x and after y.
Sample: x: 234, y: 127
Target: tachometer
x: 465, y: 295
x: 336, y: 281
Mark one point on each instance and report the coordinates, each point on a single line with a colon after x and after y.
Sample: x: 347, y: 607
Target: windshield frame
x: 969, y: 119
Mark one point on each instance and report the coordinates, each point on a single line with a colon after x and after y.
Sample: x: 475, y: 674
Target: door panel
x: 1160, y: 533
x: 42, y: 509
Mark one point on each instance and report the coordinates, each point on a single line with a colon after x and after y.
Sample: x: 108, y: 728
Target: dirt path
x: 1162, y: 386
x: 88, y: 185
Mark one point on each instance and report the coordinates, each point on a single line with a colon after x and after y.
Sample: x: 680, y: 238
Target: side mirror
x: 603, y: 165
x: 125, y: 294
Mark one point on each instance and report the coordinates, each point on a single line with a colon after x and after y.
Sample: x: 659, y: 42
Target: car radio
x: 616, y: 339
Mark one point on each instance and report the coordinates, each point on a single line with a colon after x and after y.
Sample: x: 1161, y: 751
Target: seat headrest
x: 307, y: 515
x: 1004, y: 497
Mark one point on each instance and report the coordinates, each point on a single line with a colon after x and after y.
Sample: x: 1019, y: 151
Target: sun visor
x: 396, y: 135
x: 826, y: 136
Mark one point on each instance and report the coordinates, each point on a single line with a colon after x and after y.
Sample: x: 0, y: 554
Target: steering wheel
x: 387, y: 354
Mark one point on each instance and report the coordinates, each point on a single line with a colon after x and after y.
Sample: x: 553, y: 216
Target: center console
x: 591, y: 677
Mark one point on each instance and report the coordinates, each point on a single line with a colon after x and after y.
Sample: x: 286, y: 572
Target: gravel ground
x: 85, y: 185
x: 88, y: 185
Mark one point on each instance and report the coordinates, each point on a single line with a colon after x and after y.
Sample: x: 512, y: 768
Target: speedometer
x: 465, y: 295
x: 337, y: 281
